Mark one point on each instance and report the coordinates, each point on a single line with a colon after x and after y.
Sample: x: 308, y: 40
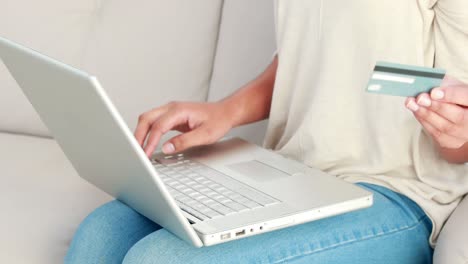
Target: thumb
x: 453, y: 94
x: 196, y: 137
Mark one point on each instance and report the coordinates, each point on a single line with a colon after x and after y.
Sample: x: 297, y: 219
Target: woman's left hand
x: 443, y: 113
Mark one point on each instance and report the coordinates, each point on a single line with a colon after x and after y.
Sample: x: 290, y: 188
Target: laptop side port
x: 240, y: 233
x: 225, y: 236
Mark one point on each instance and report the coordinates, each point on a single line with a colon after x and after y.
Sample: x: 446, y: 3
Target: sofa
x: 145, y: 53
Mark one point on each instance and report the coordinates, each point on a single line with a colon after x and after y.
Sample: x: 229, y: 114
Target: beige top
x: 322, y: 115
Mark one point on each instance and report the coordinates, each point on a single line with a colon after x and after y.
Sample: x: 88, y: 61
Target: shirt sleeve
x: 451, y: 37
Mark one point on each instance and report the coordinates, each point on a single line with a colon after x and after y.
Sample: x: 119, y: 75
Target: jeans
x: 393, y: 230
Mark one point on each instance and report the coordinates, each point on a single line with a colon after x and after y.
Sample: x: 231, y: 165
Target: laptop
x: 206, y: 195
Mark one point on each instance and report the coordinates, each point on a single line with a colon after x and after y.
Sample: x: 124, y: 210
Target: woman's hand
x: 205, y: 123
x: 443, y: 113
x: 200, y: 124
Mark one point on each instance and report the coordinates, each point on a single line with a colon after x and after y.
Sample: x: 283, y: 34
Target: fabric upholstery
x: 42, y: 199
x: 453, y: 240
x: 145, y: 53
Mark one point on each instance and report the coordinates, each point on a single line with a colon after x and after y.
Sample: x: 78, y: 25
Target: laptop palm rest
x: 258, y: 171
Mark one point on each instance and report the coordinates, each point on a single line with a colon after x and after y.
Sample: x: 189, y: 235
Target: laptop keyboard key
x: 211, y: 213
x: 235, y: 206
x: 222, y: 209
x: 252, y: 205
x: 193, y: 212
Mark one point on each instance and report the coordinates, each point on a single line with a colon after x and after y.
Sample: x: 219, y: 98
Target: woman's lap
x: 393, y: 230
x: 108, y: 233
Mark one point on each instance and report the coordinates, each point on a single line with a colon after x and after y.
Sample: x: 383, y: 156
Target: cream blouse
x: 322, y: 115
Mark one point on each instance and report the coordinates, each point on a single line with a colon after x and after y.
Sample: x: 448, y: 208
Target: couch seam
x: 95, y: 16
x: 25, y: 134
x: 353, y: 241
x: 215, y: 52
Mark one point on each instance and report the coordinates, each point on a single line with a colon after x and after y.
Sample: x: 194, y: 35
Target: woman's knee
x: 108, y: 232
x: 104, y: 222
x: 163, y: 247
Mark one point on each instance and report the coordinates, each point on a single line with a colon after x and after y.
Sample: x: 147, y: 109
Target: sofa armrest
x: 452, y: 246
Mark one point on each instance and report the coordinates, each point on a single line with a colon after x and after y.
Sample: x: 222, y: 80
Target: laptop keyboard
x: 204, y: 192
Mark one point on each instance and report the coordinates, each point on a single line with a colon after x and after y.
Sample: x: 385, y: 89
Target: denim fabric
x: 393, y: 230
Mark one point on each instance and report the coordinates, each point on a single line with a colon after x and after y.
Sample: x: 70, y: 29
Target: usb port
x: 240, y: 233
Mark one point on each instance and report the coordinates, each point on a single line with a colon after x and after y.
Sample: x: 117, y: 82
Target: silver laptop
x: 205, y: 196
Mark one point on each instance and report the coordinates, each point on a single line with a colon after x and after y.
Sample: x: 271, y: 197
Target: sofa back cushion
x: 246, y: 46
x: 145, y: 52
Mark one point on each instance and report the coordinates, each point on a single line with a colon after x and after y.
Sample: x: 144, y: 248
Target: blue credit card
x: 403, y: 80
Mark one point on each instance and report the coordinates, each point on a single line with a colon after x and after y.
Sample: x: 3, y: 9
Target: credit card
x: 403, y: 80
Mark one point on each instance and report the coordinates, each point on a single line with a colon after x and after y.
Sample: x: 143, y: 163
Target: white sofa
x: 145, y: 53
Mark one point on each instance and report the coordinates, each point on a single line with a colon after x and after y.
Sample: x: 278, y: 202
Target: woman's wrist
x: 252, y: 102
x: 457, y: 156
x: 233, y: 110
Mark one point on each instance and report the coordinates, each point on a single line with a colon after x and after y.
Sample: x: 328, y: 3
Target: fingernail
x: 412, y: 106
x: 437, y: 94
x: 168, y: 148
x: 424, y: 101
x: 148, y: 154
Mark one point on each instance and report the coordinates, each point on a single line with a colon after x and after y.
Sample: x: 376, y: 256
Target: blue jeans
x: 393, y: 230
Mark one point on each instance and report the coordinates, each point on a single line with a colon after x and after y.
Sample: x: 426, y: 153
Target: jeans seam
x: 353, y: 241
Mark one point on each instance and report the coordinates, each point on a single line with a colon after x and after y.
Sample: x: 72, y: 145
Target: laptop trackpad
x: 257, y: 170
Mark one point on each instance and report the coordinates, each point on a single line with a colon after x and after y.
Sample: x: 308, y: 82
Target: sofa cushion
x: 43, y: 200
x: 145, y: 53
x: 452, y: 245
x: 46, y: 27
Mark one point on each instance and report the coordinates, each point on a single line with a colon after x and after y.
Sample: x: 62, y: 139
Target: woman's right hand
x: 206, y: 123
x: 200, y: 124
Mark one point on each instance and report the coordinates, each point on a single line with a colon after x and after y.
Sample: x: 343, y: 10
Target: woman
x: 319, y: 114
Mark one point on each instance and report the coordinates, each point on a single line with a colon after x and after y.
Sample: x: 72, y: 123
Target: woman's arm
x: 205, y: 123
x: 252, y: 102
x: 444, y: 117
x: 459, y: 155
